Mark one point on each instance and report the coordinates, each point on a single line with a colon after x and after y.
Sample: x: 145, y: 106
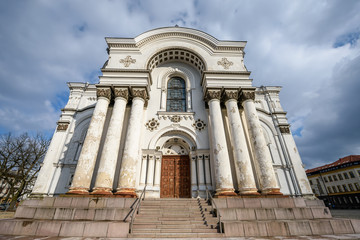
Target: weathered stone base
x: 79, y: 191
x: 249, y: 192
x: 126, y: 193
x: 271, y: 191
x: 225, y: 192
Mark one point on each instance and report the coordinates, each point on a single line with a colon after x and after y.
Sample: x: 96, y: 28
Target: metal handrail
x: 209, y: 197
x: 134, y: 210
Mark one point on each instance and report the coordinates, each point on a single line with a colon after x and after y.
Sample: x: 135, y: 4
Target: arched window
x: 176, y: 95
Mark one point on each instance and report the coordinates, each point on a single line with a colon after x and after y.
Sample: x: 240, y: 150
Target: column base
x: 271, y: 191
x: 102, y: 191
x: 78, y: 191
x: 225, y: 192
x: 248, y: 192
x: 126, y: 193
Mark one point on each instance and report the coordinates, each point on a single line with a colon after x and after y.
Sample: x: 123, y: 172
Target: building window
x: 339, y: 188
x: 351, y: 187
x: 334, y: 189
x: 335, y: 178
x: 340, y: 177
x: 345, y: 188
x: 329, y: 189
x: 346, y: 176
x: 310, y: 182
x: 357, y: 186
x: 325, y: 179
x: 351, y: 174
x: 176, y: 95
x: 330, y: 179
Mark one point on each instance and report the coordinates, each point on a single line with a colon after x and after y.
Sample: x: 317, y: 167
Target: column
x: 244, y: 172
x: 127, y: 179
x: 143, y: 170
x: 223, y: 178
x: 157, y: 171
x: 86, y: 163
x: 200, y: 172
x: 194, y: 186
x: 263, y: 162
x: 150, y: 173
x: 105, y: 175
x: 207, y: 172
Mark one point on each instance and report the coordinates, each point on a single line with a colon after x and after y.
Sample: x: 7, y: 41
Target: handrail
x: 137, y: 204
x: 209, y: 197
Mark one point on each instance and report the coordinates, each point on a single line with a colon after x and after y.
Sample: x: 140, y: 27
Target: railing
x: 210, y: 200
x: 135, y: 209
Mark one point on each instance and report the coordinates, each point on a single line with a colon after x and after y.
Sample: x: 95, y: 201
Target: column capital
x: 122, y: 92
x: 139, y: 92
x: 103, y: 92
x: 212, y: 94
x: 230, y: 94
x: 247, y: 94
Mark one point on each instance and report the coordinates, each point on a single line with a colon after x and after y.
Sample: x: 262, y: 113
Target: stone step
x: 176, y: 235
x: 184, y: 230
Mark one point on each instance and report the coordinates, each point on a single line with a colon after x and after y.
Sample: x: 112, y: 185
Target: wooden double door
x: 175, y: 177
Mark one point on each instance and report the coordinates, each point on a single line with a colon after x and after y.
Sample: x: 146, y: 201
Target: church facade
x: 175, y: 111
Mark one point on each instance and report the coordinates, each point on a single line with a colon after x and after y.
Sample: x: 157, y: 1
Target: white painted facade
x: 236, y: 136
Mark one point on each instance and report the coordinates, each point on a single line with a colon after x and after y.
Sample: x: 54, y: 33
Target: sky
x: 310, y: 48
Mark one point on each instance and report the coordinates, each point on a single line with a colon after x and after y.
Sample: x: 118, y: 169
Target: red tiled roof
x: 341, y: 161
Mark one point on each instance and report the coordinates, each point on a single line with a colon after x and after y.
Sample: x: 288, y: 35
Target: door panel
x: 175, y: 177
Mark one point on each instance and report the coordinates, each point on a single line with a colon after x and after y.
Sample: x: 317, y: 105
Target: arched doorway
x: 175, y: 170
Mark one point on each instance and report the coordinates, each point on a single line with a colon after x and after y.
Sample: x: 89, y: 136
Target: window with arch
x: 176, y: 95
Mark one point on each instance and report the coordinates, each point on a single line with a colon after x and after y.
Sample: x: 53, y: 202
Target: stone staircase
x: 175, y: 218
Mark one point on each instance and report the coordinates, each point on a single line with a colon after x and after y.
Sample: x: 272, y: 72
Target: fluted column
x: 150, y: 173
x: 194, y: 183
x: 105, y: 175
x: 127, y: 180
x: 86, y: 163
x: 244, y: 172
x: 200, y: 172
x: 223, y: 178
x: 263, y: 162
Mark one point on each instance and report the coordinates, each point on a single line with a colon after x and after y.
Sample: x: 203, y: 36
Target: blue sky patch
x: 350, y: 38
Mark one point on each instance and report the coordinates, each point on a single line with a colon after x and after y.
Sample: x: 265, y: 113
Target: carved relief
x: 175, y: 118
x: 152, y: 124
x: 62, y: 127
x: 213, y: 94
x: 247, y: 95
x: 225, y: 63
x: 103, y: 92
x: 127, y: 61
x: 199, y: 125
x: 139, y: 92
x: 121, y: 92
x: 231, y: 94
x: 284, y: 129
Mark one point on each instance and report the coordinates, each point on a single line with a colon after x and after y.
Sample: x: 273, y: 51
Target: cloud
x: 311, y: 48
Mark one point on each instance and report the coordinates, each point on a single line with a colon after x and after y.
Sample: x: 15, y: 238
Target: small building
x: 337, y: 183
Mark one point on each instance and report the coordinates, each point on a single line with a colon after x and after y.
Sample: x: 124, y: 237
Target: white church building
x: 175, y: 111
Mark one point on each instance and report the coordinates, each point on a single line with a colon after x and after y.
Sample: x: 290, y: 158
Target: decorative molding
x: 231, y: 94
x: 247, y: 95
x: 121, y: 92
x: 175, y: 118
x: 285, y: 129
x: 127, y: 61
x: 225, y: 63
x: 103, y: 92
x: 152, y: 124
x: 62, y: 127
x: 213, y: 94
x: 139, y: 92
x: 199, y: 125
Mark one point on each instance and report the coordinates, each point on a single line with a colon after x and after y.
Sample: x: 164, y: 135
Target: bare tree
x: 20, y: 159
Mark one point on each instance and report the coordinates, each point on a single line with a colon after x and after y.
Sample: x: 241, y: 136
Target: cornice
x: 125, y: 70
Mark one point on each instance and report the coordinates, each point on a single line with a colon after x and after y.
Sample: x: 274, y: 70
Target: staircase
x: 175, y: 218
